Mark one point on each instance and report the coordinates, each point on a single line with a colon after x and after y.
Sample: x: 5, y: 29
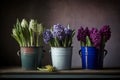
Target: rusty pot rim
x: 31, y: 46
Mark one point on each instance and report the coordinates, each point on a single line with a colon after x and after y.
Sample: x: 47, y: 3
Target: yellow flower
x: 47, y: 68
x: 50, y: 68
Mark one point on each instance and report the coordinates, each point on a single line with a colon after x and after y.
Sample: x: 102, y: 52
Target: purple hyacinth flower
x: 95, y: 37
x: 87, y: 31
x: 58, y: 31
x: 106, y: 32
x: 81, y: 36
x: 68, y: 31
x: 47, y: 36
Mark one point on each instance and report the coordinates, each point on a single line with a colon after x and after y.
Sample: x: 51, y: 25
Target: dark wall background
x: 91, y: 13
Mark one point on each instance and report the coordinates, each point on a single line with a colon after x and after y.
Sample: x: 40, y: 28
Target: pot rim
x: 62, y: 47
x: 31, y: 46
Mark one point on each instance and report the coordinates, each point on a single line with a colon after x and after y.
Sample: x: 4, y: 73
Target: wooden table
x: 18, y: 72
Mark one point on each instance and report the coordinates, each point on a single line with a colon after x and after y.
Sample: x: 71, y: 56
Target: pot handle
x: 80, y: 52
x: 49, y: 51
x: 43, y: 51
x: 18, y: 52
x: 105, y: 52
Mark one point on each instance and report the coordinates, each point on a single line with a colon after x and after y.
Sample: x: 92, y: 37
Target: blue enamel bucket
x: 91, y: 58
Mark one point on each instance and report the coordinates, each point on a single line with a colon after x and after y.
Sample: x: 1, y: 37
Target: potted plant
x: 30, y: 39
x: 59, y: 38
x: 92, y: 49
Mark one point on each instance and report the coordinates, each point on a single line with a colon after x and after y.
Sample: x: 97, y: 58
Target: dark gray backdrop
x: 91, y: 13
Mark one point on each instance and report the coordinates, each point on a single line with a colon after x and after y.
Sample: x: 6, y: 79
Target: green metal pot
x: 31, y: 57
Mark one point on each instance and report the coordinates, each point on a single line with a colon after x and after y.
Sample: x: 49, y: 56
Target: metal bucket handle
x: 43, y: 53
x: 80, y: 53
x: 49, y: 51
x: 18, y: 52
x: 105, y: 52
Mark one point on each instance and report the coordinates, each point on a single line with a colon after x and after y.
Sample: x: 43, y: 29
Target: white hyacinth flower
x: 33, y: 25
x: 24, y: 23
x: 14, y: 32
x: 39, y: 28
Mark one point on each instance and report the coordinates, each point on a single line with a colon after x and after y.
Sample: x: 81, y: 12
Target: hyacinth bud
x: 95, y: 37
x: 47, y: 36
x: 33, y: 25
x: 58, y: 36
x: 58, y: 27
x: 24, y: 23
x: 68, y: 31
x: 58, y: 31
x: 81, y: 36
x: 105, y: 32
x: 87, y: 31
x: 14, y: 32
x: 68, y: 26
x: 40, y: 28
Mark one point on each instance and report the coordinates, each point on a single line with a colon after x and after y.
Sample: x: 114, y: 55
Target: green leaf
x: 17, y: 39
x: 26, y: 34
x: 73, y: 33
x: 57, y: 44
x: 88, y: 41
x: 82, y: 43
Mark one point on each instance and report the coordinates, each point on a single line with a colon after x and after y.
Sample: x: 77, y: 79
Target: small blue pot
x: 92, y: 58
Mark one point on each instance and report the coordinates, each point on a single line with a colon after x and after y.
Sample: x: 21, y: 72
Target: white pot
x: 61, y: 57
